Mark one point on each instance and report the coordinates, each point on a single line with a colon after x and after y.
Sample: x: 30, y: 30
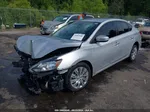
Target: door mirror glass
x: 102, y: 38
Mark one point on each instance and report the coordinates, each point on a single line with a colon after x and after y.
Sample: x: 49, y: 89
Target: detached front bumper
x: 37, y: 82
x: 50, y: 81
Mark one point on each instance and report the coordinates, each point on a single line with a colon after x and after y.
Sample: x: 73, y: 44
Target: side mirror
x: 102, y: 38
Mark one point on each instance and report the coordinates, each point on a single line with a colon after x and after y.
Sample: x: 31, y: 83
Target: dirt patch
x: 6, y: 46
x: 10, y: 101
x: 5, y: 94
x: 15, y: 34
x: 8, y: 39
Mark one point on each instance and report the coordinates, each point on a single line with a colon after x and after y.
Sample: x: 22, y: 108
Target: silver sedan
x: 77, y: 52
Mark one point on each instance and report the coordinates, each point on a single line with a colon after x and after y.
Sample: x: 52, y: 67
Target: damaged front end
x: 42, y: 74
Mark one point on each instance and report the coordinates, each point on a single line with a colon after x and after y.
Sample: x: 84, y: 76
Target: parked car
x: 145, y: 31
x: 76, y: 52
x: 59, y: 22
x: 141, y: 21
x: 131, y: 22
x: 137, y: 25
x: 19, y: 25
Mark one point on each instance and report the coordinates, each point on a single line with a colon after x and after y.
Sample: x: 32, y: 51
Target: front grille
x: 53, y: 28
x: 32, y: 62
x: 44, y: 29
x: 146, y: 33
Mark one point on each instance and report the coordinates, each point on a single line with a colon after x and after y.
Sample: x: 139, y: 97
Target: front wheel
x: 42, y: 33
x: 78, y: 77
x: 133, y: 53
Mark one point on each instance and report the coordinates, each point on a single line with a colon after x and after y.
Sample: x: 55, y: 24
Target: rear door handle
x: 131, y: 38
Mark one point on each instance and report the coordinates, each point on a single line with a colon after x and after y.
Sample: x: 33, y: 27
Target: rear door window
x: 123, y: 27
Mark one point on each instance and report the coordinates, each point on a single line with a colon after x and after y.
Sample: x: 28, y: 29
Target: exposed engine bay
x: 37, y: 82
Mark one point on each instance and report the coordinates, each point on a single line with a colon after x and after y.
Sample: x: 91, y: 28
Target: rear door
x: 125, y: 38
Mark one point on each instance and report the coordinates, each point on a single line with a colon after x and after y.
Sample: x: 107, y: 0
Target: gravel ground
x: 123, y: 86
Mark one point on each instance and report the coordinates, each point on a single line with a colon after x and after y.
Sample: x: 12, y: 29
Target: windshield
x: 80, y: 30
x: 47, y: 23
x: 147, y: 24
x: 61, y: 18
x: 139, y: 20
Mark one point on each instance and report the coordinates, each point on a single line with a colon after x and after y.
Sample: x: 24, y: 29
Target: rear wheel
x: 78, y: 77
x: 133, y: 53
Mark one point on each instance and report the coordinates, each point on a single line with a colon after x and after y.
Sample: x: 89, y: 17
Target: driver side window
x: 73, y: 18
x: 108, y: 29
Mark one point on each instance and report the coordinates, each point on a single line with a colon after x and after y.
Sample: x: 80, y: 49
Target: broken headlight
x: 45, y: 66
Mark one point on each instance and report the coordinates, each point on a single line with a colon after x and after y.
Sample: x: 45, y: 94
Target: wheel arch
x: 137, y: 44
x: 89, y: 64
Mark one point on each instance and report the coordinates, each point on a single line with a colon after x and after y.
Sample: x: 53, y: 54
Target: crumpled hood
x: 51, y: 24
x: 39, y: 46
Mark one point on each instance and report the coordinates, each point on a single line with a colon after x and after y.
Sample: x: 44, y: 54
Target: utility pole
x: 2, y: 25
x: 30, y: 18
x: 2, y: 20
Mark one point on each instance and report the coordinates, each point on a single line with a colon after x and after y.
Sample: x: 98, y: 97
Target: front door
x: 106, y: 53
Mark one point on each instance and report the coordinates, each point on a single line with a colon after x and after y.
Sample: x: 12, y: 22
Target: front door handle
x: 117, y: 43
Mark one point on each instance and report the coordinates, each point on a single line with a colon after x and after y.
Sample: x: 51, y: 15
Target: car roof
x: 147, y: 21
x: 74, y: 15
x: 100, y: 20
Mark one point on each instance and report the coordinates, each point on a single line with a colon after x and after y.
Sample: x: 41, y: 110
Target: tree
x: 77, y: 6
x: 92, y: 6
x: 98, y: 6
x: 42, y: 4
x: 19, y: 4
x: 3, y: 3
x: 116, y: 7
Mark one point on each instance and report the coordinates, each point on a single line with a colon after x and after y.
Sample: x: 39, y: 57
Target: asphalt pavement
x: 123, y: 86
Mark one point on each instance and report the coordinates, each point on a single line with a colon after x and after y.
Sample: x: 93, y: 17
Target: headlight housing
x: 54, y: 27
x: 57, y: 27
x: 45, y: 66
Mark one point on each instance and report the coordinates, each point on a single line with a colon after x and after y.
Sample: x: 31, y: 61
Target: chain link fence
x: 32, y: 17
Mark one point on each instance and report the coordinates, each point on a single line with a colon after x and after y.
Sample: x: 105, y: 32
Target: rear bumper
x: 145, y: 37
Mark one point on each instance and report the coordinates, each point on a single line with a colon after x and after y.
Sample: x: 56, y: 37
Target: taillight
x: 141, y: 32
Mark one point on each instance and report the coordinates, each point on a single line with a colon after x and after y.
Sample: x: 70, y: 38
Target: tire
x: 78, y: 78
x: 133, y: 53
x: 42, y: 33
